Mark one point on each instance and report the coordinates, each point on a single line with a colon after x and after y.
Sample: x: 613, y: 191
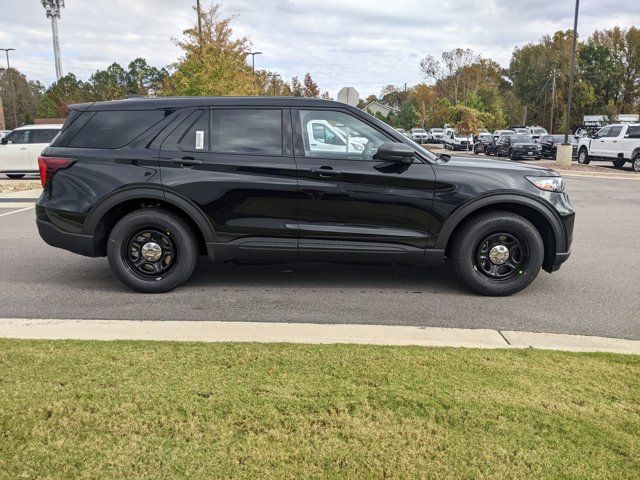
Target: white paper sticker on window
x: 199, y: 139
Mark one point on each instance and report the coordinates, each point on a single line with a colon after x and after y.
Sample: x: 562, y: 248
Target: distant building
x: 378, y: 108
x: 599, y: 120
x: 349, y: 95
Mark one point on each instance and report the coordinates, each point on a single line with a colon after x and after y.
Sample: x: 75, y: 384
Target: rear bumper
x: 56, y: 237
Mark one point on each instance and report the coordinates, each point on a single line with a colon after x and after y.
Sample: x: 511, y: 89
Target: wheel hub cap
x: 151, y: 251
x: 499, y: 255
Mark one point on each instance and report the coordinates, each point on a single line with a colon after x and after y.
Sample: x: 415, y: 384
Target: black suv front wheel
x: 498, y: 253
x: 152, y: 250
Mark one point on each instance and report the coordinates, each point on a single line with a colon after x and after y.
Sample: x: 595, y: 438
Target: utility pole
x: 13, y: 93
x: 564, y: 150
x: 52, y: 8
x: 199, y: 23
x: 553, y: 100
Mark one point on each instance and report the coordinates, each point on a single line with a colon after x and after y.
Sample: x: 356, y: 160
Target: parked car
x: 402, y: 131
x: 483, y: 143
x: 153, y: 183
x: 328, y: 137
x: 498, y: 133
x: 435, y: 135
x: 549, y: 145
x: 619, y: 143
x: 20, y: 149
x: 537, y: 132
x: 455, y: 141
x: 418, y: 135
x: 517, y: 147
x: 521, y: 131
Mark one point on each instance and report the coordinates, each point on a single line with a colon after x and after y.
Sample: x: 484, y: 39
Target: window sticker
x: 199, y: 139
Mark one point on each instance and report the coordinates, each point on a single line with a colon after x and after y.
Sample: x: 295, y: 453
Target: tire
x: 526, y: 254
x: 583, y: 156
x: 14, y: 176
x: 512, y: 155
x: 635, y: 165
x: 168, y: 227
x: 619, y: 163
x: 475, y: 150
x: 554, y: 153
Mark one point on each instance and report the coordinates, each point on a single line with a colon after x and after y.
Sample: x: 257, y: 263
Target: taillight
x: 48, y: 167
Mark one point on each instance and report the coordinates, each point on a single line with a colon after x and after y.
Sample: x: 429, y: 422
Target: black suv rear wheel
x: 498, y: 253
x: 152, y: 250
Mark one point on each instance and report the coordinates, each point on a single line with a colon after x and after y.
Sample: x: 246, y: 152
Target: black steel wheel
x: 500, y: 256
x: 149, y: 252
x: 152, y: 250
x: 497, y: 253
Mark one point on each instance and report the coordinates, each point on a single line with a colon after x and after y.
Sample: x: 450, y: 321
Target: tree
x: 310, y: 87
x: 213, y: 63
x: 27, y: 96
x: 111, y: 83
x: 144, y: 79
x: 449, y: 71
x: 296, y: 87
x: 60, y: 94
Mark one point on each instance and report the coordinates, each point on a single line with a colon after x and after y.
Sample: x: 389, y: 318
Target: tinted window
x: 115, y: 129
x: 615, y: 131
x: 252, y: 131
x: 558, y: 138
x: 19, y: 136
x: 196, y: 139
x: 634, y: 132
x: 42, y: 136
x: 603, y: 132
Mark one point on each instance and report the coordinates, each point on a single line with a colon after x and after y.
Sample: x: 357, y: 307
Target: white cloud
x: 361, y: 43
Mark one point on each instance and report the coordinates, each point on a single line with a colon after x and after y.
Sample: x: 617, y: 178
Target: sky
x: 361, y: 43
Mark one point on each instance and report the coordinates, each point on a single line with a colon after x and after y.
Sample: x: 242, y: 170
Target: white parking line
x: 16, y: 211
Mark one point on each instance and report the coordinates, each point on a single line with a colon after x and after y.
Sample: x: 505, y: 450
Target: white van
x: 325, y: 137
x: 21, y: 148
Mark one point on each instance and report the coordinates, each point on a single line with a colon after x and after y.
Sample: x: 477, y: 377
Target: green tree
x: 26, y: 94
x: 296, y: 87
x: 213, y: 63
x: 59, y: 95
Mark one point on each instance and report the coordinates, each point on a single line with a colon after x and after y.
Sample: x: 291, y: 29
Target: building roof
x: 381, y: 105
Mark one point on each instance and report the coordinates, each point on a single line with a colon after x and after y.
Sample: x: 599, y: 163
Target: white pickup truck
x: 619, y: 143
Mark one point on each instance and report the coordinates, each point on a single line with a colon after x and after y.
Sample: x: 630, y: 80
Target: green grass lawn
x: 147, y: 410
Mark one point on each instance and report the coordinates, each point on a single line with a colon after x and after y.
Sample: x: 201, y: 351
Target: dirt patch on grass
x: 19, y: 186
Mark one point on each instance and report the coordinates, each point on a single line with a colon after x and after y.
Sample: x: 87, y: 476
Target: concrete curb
x: 268, y: 332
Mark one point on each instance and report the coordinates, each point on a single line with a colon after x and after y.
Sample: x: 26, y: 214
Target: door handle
x: 325, y: 172
x: 615, y: 141
x: 24, y: 148
x: 187, y: 162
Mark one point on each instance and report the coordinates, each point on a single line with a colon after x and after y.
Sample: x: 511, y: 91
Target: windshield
x: 520, y: 138
x: 418, y: 130
x: 539, y: 130
x: 437, y: 130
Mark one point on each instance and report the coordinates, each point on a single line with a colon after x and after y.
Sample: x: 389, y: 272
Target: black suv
x: 153, y: 183
x: 517, y: 147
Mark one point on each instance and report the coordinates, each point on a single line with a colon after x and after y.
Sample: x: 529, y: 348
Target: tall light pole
x: 564, y: 151
x: 253, y: 60
x: 52, y: 8
x: 13, y: 94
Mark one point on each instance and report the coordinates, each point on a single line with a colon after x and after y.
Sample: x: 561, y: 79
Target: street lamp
x: 565, y: 150
x: 253, y: 60
x: 273, y: 77
x: 13, y: 94
x: 52, y: 9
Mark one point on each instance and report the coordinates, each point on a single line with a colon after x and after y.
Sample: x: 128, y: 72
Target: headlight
x: 550, y: 184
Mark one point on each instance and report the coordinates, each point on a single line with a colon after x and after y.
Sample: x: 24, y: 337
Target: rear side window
x: 196, y: 139
x: 634, y: 132
x: 115, y: 129
x: 614, y: 132
x: 19, y: 136
x: 250, y: 131
x: 42, y: 136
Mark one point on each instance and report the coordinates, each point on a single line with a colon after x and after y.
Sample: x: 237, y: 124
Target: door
x: 14, y: 154
x: 354, y: 208
x: 39, y: 139
x: 598, y: 142
x: 237, y: 166
x: 631, y: 141
x: 612, y: 145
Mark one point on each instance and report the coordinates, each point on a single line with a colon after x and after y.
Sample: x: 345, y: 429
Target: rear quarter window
x: 115, y: 129
x: 633, y: 132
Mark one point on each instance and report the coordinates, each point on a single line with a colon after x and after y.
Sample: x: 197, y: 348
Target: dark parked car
x: 517, y: 147
x: 483, y: 143
x: 549, y: 145
x: 153, y: 183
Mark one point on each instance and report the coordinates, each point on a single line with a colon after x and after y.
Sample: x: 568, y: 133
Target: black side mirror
x: 395, y: 152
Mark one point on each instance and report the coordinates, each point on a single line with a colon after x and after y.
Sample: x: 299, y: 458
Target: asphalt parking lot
x: 595, y: 292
